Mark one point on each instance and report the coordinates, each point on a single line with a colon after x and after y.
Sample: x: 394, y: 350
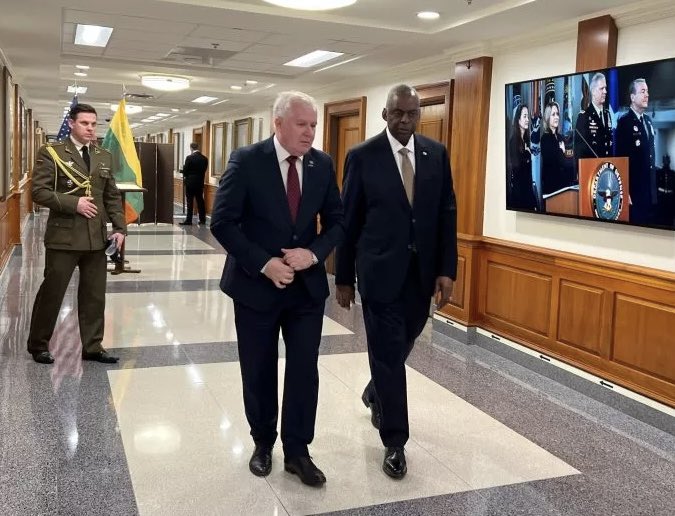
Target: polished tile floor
x: 163, y: 432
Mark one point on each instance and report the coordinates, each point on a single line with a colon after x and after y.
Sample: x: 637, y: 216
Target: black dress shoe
x: 185, y: 223
x: 44, y: 357
x: 394, y: 463
x: 100, y: 356
x: 306, y: 470
x: 261, y: 461
x: 375, y: 414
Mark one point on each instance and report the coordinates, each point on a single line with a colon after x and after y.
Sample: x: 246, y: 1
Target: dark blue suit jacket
x: 252, y: 221
x: 382, y: 229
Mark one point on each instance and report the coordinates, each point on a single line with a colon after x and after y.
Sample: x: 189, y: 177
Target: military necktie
x: 408, y: 174
x: 85, y: 156
x: 293, y: 187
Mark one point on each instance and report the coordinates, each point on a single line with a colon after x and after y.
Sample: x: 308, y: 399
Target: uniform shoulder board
x: 103, y: 149
x: 55, y: 144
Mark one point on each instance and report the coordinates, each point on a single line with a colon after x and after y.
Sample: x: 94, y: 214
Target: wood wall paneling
x: 506, y: 283
x: 643, y: 336
x: 470, y: 119
x: 580, y: 316
x: 596, y: 43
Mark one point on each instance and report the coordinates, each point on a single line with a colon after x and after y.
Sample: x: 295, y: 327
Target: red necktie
x: 293, y: 187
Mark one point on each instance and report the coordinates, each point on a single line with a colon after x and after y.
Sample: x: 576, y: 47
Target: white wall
x: 632, y: 245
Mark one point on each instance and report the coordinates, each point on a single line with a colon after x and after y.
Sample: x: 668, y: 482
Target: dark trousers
x: 391, y: 330
x: 300, y: 321
x: 195, y: 193
x: 59, y: 267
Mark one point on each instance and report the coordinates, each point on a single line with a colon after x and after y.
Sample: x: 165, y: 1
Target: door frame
x: 332, y: 111
x: 439, y: 93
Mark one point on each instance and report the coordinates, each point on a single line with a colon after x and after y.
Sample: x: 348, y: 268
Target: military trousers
x: 59, y: 268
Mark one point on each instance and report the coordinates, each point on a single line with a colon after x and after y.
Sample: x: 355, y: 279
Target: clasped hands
x: 282, y: 270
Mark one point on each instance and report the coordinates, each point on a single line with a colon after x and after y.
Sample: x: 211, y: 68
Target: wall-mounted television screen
x: 595, y: 145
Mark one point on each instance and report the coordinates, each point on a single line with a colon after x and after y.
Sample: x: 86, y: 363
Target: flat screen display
x: 596, y: 145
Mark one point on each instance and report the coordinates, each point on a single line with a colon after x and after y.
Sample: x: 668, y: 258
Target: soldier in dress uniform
x: 635, y: 139
x: 74, y: 179
x: 593, y: 133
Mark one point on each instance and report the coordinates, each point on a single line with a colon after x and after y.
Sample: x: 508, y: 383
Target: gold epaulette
x: 81, y: 180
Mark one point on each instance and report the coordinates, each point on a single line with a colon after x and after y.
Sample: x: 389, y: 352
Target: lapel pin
x: 424, y: 153
x: 310, y: 164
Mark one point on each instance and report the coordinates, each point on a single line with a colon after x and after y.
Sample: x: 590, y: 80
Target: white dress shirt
x: 79, y: 146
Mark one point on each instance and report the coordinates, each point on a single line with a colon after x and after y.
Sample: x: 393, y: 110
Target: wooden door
x: 432, y: 119
x: 349, y: 134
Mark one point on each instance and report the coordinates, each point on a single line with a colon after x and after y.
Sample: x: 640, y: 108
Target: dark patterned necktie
x: 293, y: 187
x: 85, y: 156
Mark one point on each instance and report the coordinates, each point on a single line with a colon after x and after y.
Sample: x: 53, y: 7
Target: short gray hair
x: 401, y: 90
x: 284, y: 100
x: 596, y: 78
x: 633, y: 85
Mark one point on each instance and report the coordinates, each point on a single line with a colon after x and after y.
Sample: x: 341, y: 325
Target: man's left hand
x: 119, y: 239
x: 298, y: 259
x: 443, y: 291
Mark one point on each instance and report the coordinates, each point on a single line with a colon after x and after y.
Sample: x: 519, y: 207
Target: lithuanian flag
x: 120, y: 142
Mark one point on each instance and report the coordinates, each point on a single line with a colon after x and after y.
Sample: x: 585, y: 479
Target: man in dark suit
x: 635, y: 140
x: 74, y: 180
x: 193, y: 178
x: 401, y: 242
x: 265, y: 216
x: 593, y: 134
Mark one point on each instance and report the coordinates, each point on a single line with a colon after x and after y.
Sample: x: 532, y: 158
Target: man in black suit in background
x: 194, y: 171
x: 635, y: 140
x: 265, y: 216
x: 593, y: 131
x: 401, y: 242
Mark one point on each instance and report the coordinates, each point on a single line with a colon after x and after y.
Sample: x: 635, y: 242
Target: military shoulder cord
x: 71, y: 173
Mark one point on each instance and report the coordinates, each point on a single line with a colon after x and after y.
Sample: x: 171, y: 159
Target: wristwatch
x: 315, y: 260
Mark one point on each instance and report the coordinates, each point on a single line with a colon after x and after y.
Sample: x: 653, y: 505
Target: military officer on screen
x: 635, y: 140
x: 593, y: 133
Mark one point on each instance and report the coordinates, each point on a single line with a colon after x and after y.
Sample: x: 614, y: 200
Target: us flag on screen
x: 64, y: 131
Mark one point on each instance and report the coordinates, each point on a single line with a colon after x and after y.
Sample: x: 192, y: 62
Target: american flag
x: 64, y: 132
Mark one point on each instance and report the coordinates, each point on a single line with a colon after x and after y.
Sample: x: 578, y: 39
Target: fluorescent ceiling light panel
x: 175, y: 110
x: 313, y: 58
x: 204, y: 99
x: 82, y: 67
x: 251, y: 82
x: 428, y: 15
x: 219, y: 102
x: 165, y: 82
x: 162, y: 114
x: 92, y: 35
x: 235, y: 87
x: 312, y: 5
x: 130, y: 109
x: 337, y: 64
x: 134, y: 126
x: 80, y: 74
x: 147, y: 120
x: 77, y: 89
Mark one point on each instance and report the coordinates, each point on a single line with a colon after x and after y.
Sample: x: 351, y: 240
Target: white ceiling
x: 219, y: 43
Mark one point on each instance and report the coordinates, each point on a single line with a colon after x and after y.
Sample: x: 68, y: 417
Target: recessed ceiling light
x: 77, y: 89
x: 251, y: 82
x: 312, y: 5
x: 80, y: 74
x: 313, y: 58
x: 134, y: 126
x: 162, y: 114
x: 428, y: 15
x: 147, y: 120
x: 130, y: 109
x: 204, y: 99
x: 92, y: 35
x: 190, y: 110
x: 82, y: 67
x: 235, y: 87
x: 165, y: 82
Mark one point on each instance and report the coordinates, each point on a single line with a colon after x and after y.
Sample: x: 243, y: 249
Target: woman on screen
x: 554, y: 174
x: 520, y: 188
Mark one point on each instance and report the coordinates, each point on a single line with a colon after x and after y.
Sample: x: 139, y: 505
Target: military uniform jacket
x: 593, y: 137
x: 67, y: 229
x: 635, y: 140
